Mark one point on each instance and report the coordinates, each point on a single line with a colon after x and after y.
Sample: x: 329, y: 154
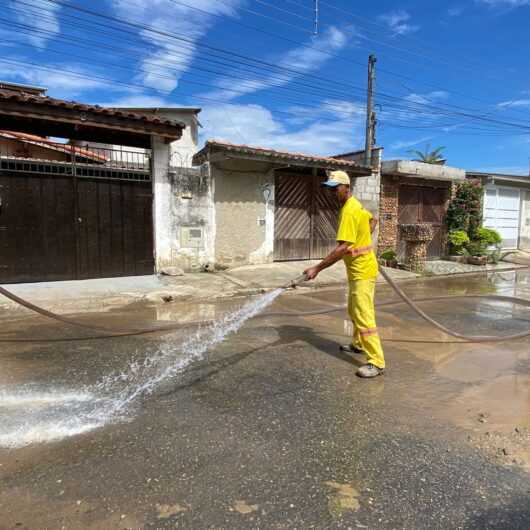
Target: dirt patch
x: 21, y: 510
x: 510, y: 449
x: 165, y: 511
x: 244, y: 508
x: 344, y: 499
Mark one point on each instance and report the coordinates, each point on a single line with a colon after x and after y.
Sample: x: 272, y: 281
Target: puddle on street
x: 502, y: 404
x: 41, y: 413
x: 38, y: 402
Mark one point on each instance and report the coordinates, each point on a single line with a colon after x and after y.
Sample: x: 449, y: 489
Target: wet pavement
x: 270, y: 428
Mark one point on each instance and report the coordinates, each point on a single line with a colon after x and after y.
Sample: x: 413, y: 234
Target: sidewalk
x: 103, y: 294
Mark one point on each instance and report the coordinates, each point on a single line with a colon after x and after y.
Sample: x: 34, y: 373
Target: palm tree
x: 428, y: 156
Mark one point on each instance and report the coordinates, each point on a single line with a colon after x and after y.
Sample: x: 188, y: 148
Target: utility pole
x: 370, y: 113
x: 316, y: 17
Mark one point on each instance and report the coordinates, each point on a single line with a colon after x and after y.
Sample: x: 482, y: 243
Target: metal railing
x: 32, y: 154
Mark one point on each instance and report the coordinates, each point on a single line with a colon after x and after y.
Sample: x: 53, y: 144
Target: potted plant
x: 388, y: 258
x: 458, y: 240
x: 478, y: 252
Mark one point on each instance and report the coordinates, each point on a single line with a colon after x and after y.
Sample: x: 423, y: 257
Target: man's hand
x: 312, y: 272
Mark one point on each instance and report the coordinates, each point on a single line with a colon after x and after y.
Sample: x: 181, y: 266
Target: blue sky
x: 448, y: 73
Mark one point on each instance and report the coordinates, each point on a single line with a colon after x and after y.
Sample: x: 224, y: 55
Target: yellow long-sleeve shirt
x: 354, y: 228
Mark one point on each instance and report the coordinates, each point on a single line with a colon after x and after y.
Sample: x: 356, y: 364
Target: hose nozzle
x: 296, y: 281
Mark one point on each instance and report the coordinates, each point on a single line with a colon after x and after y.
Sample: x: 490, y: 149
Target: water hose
x: 106, y: 333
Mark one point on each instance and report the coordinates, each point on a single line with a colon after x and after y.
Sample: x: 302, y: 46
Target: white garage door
x: 502, y: 208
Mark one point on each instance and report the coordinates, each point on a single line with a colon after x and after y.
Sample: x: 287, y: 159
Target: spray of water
x: 34, y: 415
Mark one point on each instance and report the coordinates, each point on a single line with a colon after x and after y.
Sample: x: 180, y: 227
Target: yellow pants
x: 362, y: 313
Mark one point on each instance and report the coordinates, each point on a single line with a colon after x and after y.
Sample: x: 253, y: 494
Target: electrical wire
x: 223, y: 51
x: 286, y: 11
x: 407, y: 107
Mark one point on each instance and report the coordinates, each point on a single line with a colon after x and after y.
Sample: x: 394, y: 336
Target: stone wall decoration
x: 417, y: 237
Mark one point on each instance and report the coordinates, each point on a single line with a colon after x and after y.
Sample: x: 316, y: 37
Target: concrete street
x: 271, y: 429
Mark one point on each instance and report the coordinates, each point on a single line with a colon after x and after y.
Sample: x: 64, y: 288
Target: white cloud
x: 170, y: 56
x: 256, y: 125
x: 455, y: 11
x: 425, y: 99
x: 303, y: 59
x: 398, y: 22
x: 514, y: 103
x: 137, y: 101
x: 56, y: 78
x: 48, y: 23
x: 505, y: 3
x: 405, y: 144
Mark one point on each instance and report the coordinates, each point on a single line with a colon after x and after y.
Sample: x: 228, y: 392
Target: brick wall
x: 388, y: 213
x: 389, y: 207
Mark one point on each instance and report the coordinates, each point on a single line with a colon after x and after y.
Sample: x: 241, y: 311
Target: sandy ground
x: 271, y: 429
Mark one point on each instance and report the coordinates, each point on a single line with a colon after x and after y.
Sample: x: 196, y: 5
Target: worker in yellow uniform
x: 354, y: 247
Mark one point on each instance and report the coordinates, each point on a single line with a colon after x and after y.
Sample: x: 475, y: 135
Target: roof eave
x: 217, y: 153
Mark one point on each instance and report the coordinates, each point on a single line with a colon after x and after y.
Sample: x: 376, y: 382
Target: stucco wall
x: 184, y: 215
x: 192, y: 213
x: 244, y: 217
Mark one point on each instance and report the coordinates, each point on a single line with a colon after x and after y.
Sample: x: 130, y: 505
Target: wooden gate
x: 305, y: 222
x: 56, y: 227
x: 418, y: 204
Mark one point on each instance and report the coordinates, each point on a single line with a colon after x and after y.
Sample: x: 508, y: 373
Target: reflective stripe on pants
x: 362, y: 313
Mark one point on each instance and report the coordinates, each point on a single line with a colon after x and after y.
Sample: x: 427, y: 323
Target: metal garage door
x: 60, y: 227
x: 305, y: 219
x: 502, y: 211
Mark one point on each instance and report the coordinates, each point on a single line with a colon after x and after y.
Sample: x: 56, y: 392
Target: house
x: 507, y: 207
x: 415, y: 192
x: 181, y: 152
x: 69, y: 217
x: 259, y: 205
x: 128, y: 194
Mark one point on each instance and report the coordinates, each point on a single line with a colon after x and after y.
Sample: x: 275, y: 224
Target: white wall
x: 183, y: 205
x: 524, y: 239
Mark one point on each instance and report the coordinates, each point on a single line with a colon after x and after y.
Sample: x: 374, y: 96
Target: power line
x: 385, y: 28
x: 283, y: 10
x: 316, y: 77
x: 229, y: 53
x: 281, y: 21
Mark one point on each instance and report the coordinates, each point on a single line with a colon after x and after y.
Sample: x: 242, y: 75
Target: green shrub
x: 389, y: 254
x: 465, y: 209
x: 489, y: 236
x: 477, y: 248
x: 458, y: 239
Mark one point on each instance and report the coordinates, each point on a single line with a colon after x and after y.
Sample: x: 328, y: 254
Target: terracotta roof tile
x: 25, y: 97
x: 47, y: 144
x: 273, y: 154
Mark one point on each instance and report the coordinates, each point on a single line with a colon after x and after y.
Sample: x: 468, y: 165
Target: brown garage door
x: 418, y: 204
x: 64, y: 228
x: 305, y: 222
